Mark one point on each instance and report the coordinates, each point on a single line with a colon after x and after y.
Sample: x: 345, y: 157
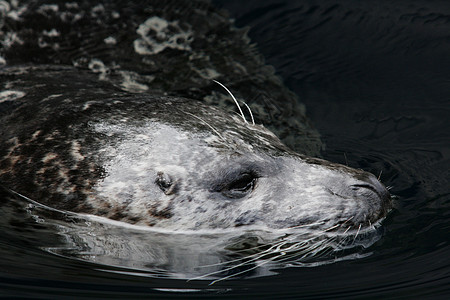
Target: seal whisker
x: 306, y: 225
x: 345, y: 239
x: 262, y: 246
x: 266, y: 261
x: 332, y: 227
x: 347, y: 229
x: 242, y: 272
x: 379, y: 176
x: 206, y: 123
x: 346, y: 161
x: 296, y: 257
x: 259, y: 247
x: 244, y: 259
x: 302, y: 249
x: 347, y: 221
x: 247, y: 260
x: 276, y: 248
x: 234, y: 99
x: 302, y: 252
x: 221, y: 264
x: 284, y: 250
x: 277, y: 245
x: 250, y: 111
x: 357, y: 232
x: 311, y: 250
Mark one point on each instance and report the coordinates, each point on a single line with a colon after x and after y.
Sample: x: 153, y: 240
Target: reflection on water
x: 211, y: 255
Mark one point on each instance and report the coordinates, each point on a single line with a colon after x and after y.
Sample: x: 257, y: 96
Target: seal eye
x: 240, y: 187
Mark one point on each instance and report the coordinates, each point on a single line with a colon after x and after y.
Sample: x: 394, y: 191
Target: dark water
x: 375, y: 78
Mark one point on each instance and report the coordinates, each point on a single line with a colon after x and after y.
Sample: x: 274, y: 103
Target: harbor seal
x: 166, y: 161
x: 111, y: 110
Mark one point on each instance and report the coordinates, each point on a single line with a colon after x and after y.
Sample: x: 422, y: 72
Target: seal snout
x: 374, y: 193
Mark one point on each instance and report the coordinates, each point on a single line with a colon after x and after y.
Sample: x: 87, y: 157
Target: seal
x: 227, y: 194
x: 113, y: 117
x: 167, y: 161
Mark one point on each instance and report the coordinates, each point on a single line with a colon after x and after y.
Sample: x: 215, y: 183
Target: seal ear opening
x: 166, y: 184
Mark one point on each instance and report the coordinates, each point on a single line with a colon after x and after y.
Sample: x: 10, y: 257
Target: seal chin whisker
x: 347, y: 220
x: 311, y: 248
x: 279, y: 250
x: 357, y: 232
x: 276, y: 248
x: 285, y: 250
x: 306, y: 252
x: 306, y: 225
x: 344, y: 240
x: 347, y: 229
x: 332, y: 227
x: 305, y: 249
x: 241, y: 272
x: 246, y: 258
